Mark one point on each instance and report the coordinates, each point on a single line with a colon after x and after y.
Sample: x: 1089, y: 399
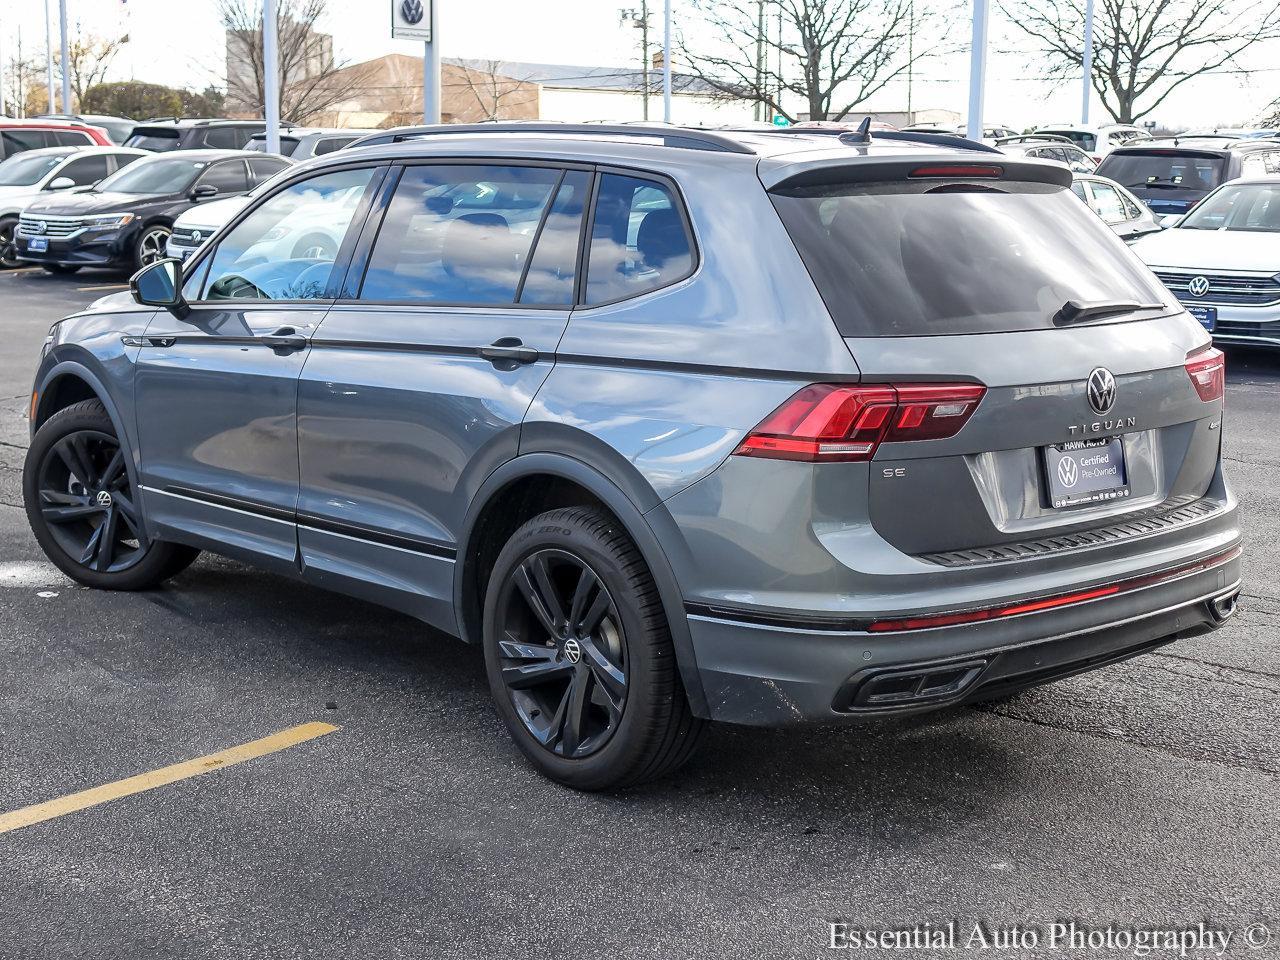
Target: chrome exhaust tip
x: 1223, y: 608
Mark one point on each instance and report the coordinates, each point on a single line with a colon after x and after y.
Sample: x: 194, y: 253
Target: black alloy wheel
x: 83, y: 508
x: 579, y: 654
x: 8, y: 248
x: 563, y: 653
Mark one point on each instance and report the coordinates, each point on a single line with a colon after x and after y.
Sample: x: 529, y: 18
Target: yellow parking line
x: 38, y: 813
x: 9, y: 273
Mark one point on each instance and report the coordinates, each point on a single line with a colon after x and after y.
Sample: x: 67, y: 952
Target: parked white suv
x: 29, y: 175
x: 1222, y: 260
x: 1098, y: 141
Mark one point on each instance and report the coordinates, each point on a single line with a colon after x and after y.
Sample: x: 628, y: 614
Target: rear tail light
x: 832, y: 422
x: 1208, y: 372
x: 959, y: 171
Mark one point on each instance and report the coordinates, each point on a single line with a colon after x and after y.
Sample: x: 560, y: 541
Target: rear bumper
x: 764, y: 674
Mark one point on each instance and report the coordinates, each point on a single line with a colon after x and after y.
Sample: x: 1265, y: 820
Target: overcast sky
x: 179, y: 42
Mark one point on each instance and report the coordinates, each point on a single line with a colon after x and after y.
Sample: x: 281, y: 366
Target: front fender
x: 649, y: 528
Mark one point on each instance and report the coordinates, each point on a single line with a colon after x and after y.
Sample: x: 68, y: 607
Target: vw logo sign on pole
x: 411, y: 20
x: 1198, y: 286
x: 1101, y: 388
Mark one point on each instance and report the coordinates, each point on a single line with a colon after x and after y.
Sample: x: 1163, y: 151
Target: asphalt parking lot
x: 1147, y: 790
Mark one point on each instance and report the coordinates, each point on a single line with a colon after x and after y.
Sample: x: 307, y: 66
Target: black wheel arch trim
x: 635, y: 519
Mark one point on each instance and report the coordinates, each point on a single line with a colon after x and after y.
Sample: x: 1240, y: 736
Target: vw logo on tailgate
x: 1101, y: 387
x: 1198, y: 286
x: 1068, y: 471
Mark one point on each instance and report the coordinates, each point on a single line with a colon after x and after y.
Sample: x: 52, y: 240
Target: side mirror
x: 203, y: 191
x: 160, y: 285
x: 61, y: 183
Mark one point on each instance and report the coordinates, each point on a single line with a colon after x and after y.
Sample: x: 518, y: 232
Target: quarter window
x: 285, y: 249
x: 86, y: 170
x: 458, y: 234
x: 1107, y: 204
x: 639, y: 241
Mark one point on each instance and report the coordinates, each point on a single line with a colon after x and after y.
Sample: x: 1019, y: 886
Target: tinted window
x: 1079, y: 161
x: 1174, y: 171
x: 68, y: 138
x: 157, y: 140
x: 15, y: 141
x: 909, y: 259
x: 86, y: 170
x: 258, y: 144
x: 458, y: 234
x: 228, y: 177
x: 285, y: 249
x: 330, y: 144
x: 553, y: 269
x: 226, y: 138
x: 263, y: 169
x: 638, y: 240
x: 1085, y: 141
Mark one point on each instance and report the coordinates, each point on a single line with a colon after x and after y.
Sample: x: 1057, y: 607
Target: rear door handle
x: 510, y: 349
x: 286, y: 338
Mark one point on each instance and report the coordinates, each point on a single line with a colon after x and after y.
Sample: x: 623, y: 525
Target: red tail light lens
x: 831, y: 422
x: 1208, y: 373
x: 962, y: 172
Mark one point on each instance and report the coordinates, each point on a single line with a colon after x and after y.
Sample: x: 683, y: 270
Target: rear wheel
x: 579, y: 655
x: 59, y: 269
x: 83, y: 508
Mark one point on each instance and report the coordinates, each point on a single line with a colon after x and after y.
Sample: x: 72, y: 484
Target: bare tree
x: 1143, y: 49
x: 496, y: 95
x: 308, y: 85
x: 90, y: 61
x: 831, y: 54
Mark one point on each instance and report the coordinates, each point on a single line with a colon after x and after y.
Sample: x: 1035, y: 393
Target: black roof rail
x: 686, y: 137
x: 1033, y: 138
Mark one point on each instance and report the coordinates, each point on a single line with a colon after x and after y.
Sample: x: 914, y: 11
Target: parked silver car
x: 678, y: 425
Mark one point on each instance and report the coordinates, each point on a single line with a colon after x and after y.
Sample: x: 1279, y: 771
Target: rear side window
x: 69, y: 138
x: 16, y: 141
x: 458, y: 234
x: 86, y: 170
x: 228, y: 177
x: 1107, y: 203
x: 639, y: 241
x: 227, y: 138
x: 262, y: 168
x: 330, y: 144
x: 1168, y: 171
x: 914, y: 259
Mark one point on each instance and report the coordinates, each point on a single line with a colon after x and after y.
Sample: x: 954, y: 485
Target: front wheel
x: 579, y: 655
x: 151, y: 245
x: 83, y: 508
x: 8, y: 249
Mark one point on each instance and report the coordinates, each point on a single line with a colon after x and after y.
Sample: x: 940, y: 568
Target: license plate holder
x: 1208, y: 316
x: 38, y: 244
x: 1083, y: 472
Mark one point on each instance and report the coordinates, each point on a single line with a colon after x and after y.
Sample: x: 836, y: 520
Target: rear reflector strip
x: 1050, y: 603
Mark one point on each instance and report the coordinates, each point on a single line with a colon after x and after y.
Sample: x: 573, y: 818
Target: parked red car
x: 19, y: 135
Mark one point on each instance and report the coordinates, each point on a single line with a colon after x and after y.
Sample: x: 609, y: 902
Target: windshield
x: 1167, y: 171
x: 914, y: 259
x: 1254, y: 207
x: 25, y: 170
x: 153, y: 175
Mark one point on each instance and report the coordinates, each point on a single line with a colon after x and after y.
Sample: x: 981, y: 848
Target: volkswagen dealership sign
x: 411, y: 20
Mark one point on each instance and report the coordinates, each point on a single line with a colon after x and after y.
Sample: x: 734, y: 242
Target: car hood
x: 211, y: 215
x: 86, y: 203
x: 1211, y: 250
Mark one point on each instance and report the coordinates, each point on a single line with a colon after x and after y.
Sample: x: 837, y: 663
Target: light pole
x: 640, y: 19
x: 270, y: 75
x: 66, y: 58
x: 431, y: 103
x: 977, y: 68
x: 1087, y: 60
x: 48, y: 56
x: 666, y: 61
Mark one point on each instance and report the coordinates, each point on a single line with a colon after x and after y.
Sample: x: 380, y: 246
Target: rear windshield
x: 914, y: 259
x: 150, y: 138
x: 258, y: 144
x: 1155, y: 171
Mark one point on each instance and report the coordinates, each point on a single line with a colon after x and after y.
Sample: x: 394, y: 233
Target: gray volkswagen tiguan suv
x: 678, y: 425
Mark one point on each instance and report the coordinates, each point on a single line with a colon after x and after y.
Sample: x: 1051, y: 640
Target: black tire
x: 8, y: 250
x: 650, y: 731
x: 60, y: 269
x: 84, y: 433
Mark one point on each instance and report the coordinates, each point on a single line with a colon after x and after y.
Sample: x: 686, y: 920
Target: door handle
x: 286, y: 338
x: 510, y: 349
